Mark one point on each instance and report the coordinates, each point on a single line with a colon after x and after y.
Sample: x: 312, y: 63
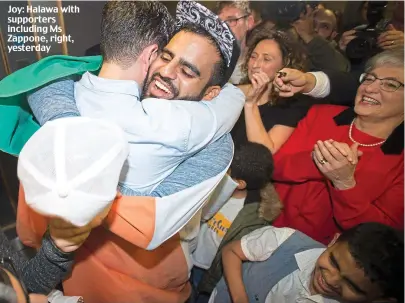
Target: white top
x: 259, y: 246
x: 161, y: 133
x: 213, y: 231
x: 56, y: 296
x: 322, y: 85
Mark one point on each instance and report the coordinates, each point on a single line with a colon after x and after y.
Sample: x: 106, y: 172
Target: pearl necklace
x: 361, y: 144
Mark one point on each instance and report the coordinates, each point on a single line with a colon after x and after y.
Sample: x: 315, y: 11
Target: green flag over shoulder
x: 16, y: 121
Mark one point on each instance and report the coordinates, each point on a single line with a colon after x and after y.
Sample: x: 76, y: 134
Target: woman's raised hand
x: 260, y: 82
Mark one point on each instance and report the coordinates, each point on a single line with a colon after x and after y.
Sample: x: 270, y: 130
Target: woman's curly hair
x: 294, y: 55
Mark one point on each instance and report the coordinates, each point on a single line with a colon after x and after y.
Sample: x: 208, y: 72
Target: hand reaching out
x: 293, y: 81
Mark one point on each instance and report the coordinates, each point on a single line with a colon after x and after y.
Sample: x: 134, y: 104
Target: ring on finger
x: 323, y: 161
x: 392, y: 42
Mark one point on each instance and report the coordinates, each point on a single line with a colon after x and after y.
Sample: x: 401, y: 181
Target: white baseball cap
x: 70, y: 168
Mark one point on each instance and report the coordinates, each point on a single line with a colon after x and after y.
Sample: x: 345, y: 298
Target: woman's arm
x: 256, y: 132
x: 360, y: 204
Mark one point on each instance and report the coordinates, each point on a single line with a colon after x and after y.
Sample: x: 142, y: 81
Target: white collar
x: 124, y: 87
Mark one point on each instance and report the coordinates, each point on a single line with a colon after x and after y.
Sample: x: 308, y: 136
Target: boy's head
x: 252, y: 166
x: 363, y: 264
x: 70, y: 168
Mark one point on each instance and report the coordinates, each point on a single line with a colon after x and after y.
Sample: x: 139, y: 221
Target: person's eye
x: 267, y: 59
x: 165, y: 57
x: 350, y: 292
x: 188, y: 73
x: 332, y: 261
x: 369, y: 79
x: 231, y: 22
x: 253, y: 56
x: 391, y: 85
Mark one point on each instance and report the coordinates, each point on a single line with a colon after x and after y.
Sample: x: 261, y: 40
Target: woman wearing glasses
x: 31, y: 281
x: 343, y: 166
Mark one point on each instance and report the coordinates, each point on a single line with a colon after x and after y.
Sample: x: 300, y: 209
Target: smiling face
x: 266, y: 57
x: 337, y: 275
x: 374, y: 102
x: 183, y: 70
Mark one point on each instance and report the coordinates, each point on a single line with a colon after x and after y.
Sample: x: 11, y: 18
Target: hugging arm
x: 54, y: 101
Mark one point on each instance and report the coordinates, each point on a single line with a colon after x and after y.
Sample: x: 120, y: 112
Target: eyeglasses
x: 9, y: 265
x: 386, y: 84
x: 233, y: 21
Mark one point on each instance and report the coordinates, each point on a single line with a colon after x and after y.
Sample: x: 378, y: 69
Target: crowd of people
x: 212, y: 157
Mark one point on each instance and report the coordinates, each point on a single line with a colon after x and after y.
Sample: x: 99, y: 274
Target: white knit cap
x: 70, y: 168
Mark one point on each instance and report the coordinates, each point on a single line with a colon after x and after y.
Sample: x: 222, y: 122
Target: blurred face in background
x: 266, y: 57
x: 238, y: 21
x: 325, y: 24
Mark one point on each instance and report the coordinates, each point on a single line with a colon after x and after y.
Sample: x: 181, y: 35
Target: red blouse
x: 312, y: 204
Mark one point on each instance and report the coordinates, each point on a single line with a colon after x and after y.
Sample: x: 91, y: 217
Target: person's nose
x: 373, y: 88
x: 169, y: 70
x: 257, y: 64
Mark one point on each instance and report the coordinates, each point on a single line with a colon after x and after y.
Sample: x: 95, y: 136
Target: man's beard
x: 172, y: 88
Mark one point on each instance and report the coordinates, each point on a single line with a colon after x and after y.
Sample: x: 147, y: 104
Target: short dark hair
x: 379, y: 250
x: 128, y: 27
x: 219, y: 69
x: 253, y: 163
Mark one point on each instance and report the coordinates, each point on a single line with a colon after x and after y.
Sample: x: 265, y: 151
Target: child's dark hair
x: 252, y: 163
x: 379, y: 250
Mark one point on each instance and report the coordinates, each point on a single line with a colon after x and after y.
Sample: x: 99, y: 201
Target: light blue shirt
x: 57, y: 101
x: 161, y: 133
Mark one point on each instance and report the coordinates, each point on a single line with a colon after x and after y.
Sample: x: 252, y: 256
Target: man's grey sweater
x: 42, y: 273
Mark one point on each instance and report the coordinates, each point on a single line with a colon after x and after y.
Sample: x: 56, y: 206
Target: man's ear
x: 211, y: 92
x: 147, y: 56
x: 250, y: 22
x: 335, y: 237
x: 241, y: 184
x: 333, y: 35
